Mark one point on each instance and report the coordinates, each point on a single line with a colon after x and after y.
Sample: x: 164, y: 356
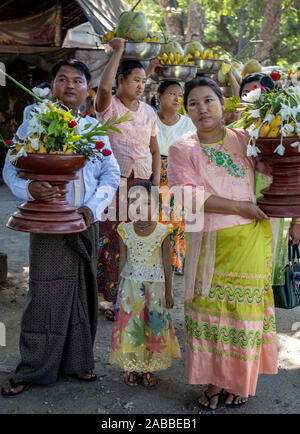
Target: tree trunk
x: 174, y: 22
x: 268, y: 29
x: 242, y: 29
x: 196, y: 21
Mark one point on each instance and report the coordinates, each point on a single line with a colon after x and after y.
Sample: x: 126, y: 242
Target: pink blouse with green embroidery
x: 223, y: 170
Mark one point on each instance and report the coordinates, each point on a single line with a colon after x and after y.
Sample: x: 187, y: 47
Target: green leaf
x: 86, y: 127
x: 52, y: 127
x: 115, y: 129
x: 124, y: 118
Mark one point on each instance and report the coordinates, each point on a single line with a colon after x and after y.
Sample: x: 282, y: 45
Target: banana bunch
x: 152, y: 39
x: 109, y: 36
x: 177, y: 59
x: 273, y: 128
x: 209, y: 54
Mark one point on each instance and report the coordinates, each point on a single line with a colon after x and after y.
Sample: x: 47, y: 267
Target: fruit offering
x: 132, y: 26
x: 109, y: 36
x: 195, y: 48
x: 207, y: 54
x: 112, y: 34
x: 223, y: 78
x: 250, y: 67
x: 177, y: 59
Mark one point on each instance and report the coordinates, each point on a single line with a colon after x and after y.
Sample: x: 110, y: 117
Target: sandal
x: 130, y: 378
x: 209, y: 398
x: 233, y: 402
x: 92, y: 376
x: 8, y: 393
x: 148, y: 380
x: 109, y: 314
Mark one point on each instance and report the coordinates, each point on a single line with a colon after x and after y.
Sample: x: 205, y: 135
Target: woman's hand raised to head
x: 250, y: 211
x: 152, y: 67
x: 117, y: 44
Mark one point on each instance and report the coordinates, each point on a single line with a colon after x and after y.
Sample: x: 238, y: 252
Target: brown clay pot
x: 57, y: 216
x: 282, y: 197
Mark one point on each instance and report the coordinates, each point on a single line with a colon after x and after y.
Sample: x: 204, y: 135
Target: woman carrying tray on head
x: 136, y: 151
x: 171, y: 127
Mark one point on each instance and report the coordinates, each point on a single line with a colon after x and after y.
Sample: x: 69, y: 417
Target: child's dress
x: 143, y: 336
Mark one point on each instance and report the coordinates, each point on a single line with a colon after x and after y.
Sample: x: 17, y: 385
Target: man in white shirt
x: 60, y: 316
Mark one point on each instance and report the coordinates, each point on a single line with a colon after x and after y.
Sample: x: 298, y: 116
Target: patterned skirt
x: 177, y: 237
x: 109, y: 253
x: 143, y: 336
x: 231, y: 334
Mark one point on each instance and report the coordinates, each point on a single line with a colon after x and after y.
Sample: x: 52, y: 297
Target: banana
x: 257, y: 123
x: 28, y: 147
x: 43, y: 149
x: 210, y: 54
x: 67, y: 150
x: 216, y: 56
x: 267, y: 114
x: 274, y: 132
x: 177, y: 58
x: 197, y: 54
x: 276, y: 122
x: 264, y: 130
x: 164, y: 57
x: 171, y: 57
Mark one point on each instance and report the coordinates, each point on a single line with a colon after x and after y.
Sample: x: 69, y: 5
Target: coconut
x: 171, y: 47
x: 132, y: 26
x: 251, y: 66
x: 191, y: 47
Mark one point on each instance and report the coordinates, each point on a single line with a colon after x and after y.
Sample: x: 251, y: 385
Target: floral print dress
x: 143, y: 336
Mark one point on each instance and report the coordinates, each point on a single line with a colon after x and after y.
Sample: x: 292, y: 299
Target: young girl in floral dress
x: 143, y: 336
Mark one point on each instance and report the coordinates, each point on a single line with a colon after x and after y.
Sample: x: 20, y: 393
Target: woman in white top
x: 171, y: 127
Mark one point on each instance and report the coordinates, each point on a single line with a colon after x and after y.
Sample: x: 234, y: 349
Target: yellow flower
x: 180, y: 100
x: 51, y: 107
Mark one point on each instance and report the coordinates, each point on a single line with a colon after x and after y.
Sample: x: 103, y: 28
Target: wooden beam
x: 58, y: 24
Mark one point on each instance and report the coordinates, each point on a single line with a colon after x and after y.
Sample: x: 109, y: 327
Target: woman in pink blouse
x: 136, y: 151
x: 229, y: 305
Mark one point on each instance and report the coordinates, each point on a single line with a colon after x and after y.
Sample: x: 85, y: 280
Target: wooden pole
x: 58, y: 24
